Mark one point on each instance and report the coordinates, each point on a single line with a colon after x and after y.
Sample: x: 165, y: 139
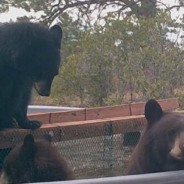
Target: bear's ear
x: 29, y: 141
x: 47, y: 137
x: 153, y: 111
x: 29, y: 146
x: 57, y: 33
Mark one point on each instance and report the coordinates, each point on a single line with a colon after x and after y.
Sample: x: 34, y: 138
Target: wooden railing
x: 84, y: 123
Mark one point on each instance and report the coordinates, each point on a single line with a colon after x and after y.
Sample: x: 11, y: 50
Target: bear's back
x: 41, y: 162
x: 49, y: 161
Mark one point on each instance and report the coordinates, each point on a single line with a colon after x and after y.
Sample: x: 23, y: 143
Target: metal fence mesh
x: 90, y: 156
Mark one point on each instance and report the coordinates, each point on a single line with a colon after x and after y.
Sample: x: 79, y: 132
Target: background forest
x: 113, y: 52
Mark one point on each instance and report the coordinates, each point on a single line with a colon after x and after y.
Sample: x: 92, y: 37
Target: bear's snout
x: 3, y: 178
x: 177, y: 150
x: 43, y: 87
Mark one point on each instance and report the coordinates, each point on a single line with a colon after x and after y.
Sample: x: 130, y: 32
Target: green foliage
x: 71, y: 82
x: 122, y: 61
x: 72, y: 31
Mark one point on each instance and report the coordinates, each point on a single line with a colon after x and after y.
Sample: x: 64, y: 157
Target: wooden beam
x: 166, y: 104
x: 107, y: 112
x: 94, y: 128
x: 69, y: 125
x: 43, y: 117
x: 11, y: 137
x: 169, y: 104
x: 68, y: 116
x: 100, y: 112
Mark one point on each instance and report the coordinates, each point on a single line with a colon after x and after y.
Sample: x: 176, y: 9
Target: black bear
x: 35, y: 161
x: 161, y: 148
x: 29, y: 56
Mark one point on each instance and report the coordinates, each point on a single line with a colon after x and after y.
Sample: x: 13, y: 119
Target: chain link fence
x: 102, y: 154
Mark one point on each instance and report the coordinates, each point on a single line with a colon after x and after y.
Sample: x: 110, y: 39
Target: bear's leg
x: 5, y: 122
x: 20, y: 113
x: 30, y: 124
x: 23, y: 122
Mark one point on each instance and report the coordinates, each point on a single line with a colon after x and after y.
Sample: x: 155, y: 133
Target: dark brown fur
x: 35, y: 161
x: 29, y: 57
x: 152, y: 154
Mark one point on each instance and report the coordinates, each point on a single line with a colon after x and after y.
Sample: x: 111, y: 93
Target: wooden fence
x: 84, y: 123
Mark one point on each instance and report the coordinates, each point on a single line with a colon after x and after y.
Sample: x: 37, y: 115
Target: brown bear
x: 35, y: 161
x: 161, y: 148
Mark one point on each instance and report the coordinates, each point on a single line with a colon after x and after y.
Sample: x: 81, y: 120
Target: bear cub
x: 35, y: 161
x: 30, y: 57
x: 161, y: 148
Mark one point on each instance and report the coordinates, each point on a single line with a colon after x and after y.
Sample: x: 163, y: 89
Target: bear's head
x: 161, y: 147
x: 37, y: 54
x: 35, y: 161
x: 166, y: 131
x: 48, y: 61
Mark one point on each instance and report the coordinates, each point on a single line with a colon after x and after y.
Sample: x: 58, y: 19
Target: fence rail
x: 84, y: 123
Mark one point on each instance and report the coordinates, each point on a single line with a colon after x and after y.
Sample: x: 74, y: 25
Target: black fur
x: 29, y: 56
